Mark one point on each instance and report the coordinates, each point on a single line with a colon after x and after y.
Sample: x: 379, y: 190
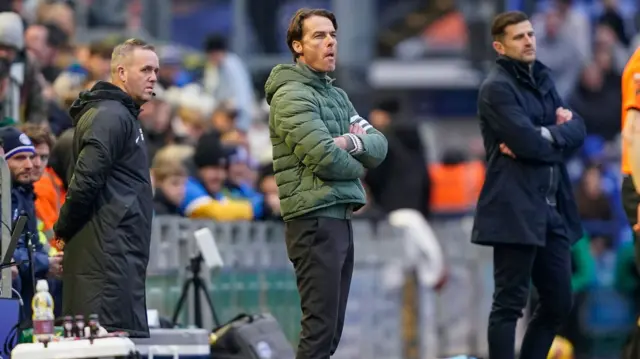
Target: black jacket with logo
x: 106, y: 218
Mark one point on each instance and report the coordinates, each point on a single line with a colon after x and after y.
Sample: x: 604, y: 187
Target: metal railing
x: 393, y: 310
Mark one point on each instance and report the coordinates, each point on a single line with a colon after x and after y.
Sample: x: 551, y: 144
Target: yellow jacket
x: 197, y: 203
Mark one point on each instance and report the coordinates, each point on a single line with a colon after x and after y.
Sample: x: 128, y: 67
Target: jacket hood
x: 101, y: 91
x: 61, y: 160
x: 284, y: 73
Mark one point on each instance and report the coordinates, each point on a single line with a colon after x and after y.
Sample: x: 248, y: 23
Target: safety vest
x: 45, y: 239
x: 455, y: 188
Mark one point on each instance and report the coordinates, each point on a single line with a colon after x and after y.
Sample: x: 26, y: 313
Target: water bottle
x: 43, y: 318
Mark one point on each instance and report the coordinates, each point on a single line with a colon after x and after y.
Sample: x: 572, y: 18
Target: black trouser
x: 515, y: 268
x: 321, y: 250
x: 630, y: 201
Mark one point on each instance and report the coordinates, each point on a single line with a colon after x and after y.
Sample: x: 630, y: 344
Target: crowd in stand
x: 207, y: 135
x: 208, y: 138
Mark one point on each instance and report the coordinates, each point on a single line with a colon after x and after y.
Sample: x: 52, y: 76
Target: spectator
x: 606, y: 41
x: 224, y: 119
x: 24, y: 100
x: 48, y: 186
x: 240, y: 180
x: 203, y: 195
x: 61, y: 161
x: 269, y: 189
x: 560, y: 53
x: 574, y: 25
x: 594, y: 206
x: 79, y: 74
x: 59, y: 13
x: 5, y: 68
x: 20, y: 154
x: 169, y: 174
x: 227, y: 78
x: 456, y: 182
x: 191, y: 124
x: 43, y: 141
x: 170, y: 67
x: 157, y: 118
x: 404, y: 170
x: 611, y: 17
x: 592, y: 202
x: 193, y: 108
x: 44, y: 42
x: 597, y: 98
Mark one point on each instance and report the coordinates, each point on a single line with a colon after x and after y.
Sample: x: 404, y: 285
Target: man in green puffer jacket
x: 321, y: 149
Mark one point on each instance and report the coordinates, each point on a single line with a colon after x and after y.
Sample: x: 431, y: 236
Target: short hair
x: 39, y: 134
x: 215, y: 42
x: 294, y: 32
x: 171, y: 161
x: 56, y: 37
x: 101, y: 49
x: 125, y: 49
x: 504, y: 20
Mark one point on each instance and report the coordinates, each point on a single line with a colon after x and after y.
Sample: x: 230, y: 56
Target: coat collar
x: 535, y: 75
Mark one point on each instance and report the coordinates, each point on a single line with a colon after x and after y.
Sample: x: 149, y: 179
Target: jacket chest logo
x: 140, y: 136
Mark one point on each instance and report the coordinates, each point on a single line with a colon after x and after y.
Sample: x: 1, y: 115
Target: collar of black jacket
x: 101, y: 91
x: 23, y: 188
x: 535, y: 75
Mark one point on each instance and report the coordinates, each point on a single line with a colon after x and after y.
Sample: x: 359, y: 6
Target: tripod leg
x: 183, y: 297
x: 203, y: 288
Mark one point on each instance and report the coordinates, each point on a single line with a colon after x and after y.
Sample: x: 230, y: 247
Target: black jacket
x: 23, y: 203
x: 106, y: 218
x: 403, y: 171
x: 513, y: 105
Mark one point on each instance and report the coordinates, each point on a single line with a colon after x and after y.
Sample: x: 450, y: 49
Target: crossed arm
x: 298, y: 122
x: 508, y: 120
x: 370, y: 144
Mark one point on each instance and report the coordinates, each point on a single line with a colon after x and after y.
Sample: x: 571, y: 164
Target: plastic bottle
x: 43, y: 318
x: 68, y: 327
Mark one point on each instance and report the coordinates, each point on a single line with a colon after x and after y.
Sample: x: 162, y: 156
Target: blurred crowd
x: 206, y: 128
x: 208, y: 137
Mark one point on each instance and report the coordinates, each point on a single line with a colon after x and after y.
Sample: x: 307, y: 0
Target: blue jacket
x: 246, y: 192
x: 196, y: 194
x: 513, y: 104
x: 22, y: 202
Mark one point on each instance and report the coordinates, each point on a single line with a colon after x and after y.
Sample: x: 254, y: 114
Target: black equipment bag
x: 251, y: 337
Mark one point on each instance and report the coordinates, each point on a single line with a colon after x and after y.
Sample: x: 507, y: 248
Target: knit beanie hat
x: 11, y: 30
x: 210, y: 152
x: 15, y: 142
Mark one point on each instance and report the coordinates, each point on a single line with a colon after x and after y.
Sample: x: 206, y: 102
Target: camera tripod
x: 199, y: 287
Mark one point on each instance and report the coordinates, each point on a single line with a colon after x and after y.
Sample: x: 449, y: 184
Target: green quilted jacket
x: 314, y: 176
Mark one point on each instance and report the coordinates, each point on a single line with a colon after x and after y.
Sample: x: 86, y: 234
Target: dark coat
x: 513, y: 104
x: 106, y: 218
x: 23, y: 203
